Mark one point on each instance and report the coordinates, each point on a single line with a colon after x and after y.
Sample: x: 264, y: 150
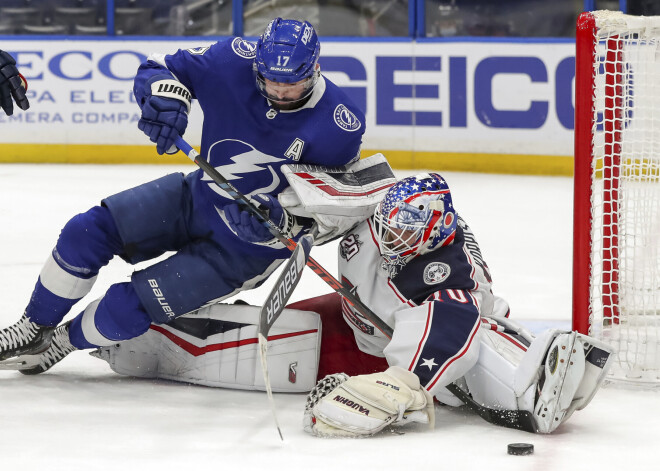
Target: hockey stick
x: 244, y: 203
x: 274, y: 305
x: 493, y: 416
x: 518, y: 419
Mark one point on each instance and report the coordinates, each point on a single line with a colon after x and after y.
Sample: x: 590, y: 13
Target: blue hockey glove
x: 248, y: 227
x: 12, y: 84
x: 165, y: 111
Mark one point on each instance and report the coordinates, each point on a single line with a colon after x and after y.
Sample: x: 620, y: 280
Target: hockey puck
x: 520, y: 449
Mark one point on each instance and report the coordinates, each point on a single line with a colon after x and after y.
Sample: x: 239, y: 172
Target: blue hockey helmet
x: 287, y: 53
x: 415, y: 217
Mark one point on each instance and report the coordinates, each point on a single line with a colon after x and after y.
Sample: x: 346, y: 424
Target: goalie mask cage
x: 616, y: 247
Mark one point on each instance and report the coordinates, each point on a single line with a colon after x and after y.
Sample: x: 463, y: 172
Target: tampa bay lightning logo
x: 345, y: 119
x: 244, y: 48
x: 246, y: 161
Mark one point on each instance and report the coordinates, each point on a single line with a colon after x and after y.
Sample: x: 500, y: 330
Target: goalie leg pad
x: 363, y: 405
x: 562, y: 373
x: 558, y: 374
x: 598, y: 360
x: 217, y: 346
x: 574, y: 369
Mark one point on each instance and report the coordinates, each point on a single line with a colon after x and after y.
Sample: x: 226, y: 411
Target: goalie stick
x: 274, y: 305
x: 518, y: 419
x: 507, y: 418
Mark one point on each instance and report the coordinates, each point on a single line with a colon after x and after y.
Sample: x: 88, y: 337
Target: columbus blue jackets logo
x: 247, y: 168
x: 244, y: 48
x: 436, y: 273
x: 345, y: 119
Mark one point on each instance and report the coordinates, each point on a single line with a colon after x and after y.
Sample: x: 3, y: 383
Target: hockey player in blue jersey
x: 265, y: 105
x: 12, y: 85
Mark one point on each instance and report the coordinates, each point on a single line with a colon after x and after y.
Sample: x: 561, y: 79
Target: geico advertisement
x: 486, y: 97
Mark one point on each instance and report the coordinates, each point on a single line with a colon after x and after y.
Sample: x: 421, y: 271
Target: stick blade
x: 263, y: 356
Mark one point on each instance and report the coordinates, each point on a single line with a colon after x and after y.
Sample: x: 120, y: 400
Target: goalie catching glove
x: 360, y: 406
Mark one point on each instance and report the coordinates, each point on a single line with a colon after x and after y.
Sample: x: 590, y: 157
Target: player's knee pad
x: 88, y: 241
x: 217, y: 346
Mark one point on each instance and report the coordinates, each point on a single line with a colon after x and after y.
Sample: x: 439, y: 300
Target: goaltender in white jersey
x: 416, y: 264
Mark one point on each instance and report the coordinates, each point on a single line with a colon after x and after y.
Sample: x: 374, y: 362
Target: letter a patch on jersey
x: 295, y: 149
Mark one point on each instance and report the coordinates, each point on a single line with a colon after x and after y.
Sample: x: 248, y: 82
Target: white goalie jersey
x: 434, y: 304
x: 448, y: 327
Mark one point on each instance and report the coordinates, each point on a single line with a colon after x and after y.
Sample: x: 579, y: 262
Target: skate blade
x: 20, y: 363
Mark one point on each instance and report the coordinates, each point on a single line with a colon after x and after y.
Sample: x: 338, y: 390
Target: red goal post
x: 616, y: 246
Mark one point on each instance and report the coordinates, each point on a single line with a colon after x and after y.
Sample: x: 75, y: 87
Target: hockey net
x: 616, y: 251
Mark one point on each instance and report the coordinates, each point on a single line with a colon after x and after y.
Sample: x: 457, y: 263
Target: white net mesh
x: 625, y: 257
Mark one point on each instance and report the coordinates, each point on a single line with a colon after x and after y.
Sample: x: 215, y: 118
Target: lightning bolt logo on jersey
x: 250, y: 171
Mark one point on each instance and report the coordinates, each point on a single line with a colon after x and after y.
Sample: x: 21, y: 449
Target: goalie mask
x: 415, y: 217
x: 286, y: 63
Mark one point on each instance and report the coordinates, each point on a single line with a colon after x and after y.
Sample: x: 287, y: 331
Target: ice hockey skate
x: 60, y: 346
x: 23, y: 338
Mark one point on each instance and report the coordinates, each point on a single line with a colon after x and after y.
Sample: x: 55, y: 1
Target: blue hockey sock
x: 117, y: 316
x: 87, y: 243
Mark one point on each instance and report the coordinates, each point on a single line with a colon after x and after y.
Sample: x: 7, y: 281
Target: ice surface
x: 80, y: 415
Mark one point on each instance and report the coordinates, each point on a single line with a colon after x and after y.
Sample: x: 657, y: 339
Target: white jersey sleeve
x: 434, y: 304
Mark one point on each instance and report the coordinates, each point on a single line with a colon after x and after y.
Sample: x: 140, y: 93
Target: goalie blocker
x: 551, y: 375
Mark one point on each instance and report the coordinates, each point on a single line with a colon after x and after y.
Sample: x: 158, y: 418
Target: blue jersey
x: 246, y: 139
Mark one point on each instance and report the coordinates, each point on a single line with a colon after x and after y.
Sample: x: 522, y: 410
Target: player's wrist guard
x: 360, y: 406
